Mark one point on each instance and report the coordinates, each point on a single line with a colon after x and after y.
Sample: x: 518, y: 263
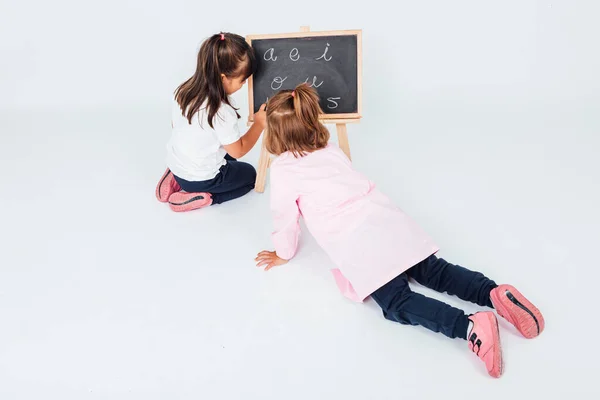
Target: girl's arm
x: 286, y: 215
x: 240, y: 148
x: 285, y: 218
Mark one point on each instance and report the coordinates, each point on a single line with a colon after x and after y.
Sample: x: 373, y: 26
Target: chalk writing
x: 270, y: 53
x: 314, y: 82
x: 283, y: 63
x: 294, y: 54
x: 324, y: 56
x: 334, y: 103
x: 278, y: 82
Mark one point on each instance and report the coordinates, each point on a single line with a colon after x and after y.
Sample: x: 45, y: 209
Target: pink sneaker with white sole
x: 166, y: 187
x: 516, y: 309
x: 183, y: 201
x: 484, y: 341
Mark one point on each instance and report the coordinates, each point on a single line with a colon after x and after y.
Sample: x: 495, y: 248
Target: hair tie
x: 293, y: 93
x: 222, y: 36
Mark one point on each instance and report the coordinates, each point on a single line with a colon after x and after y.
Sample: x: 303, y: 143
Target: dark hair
x: 293, y: 122
x: 224, y: 53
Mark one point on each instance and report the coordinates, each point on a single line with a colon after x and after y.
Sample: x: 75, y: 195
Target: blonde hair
x: 293, y: 122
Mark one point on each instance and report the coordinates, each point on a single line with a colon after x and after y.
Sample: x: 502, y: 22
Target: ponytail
x: 293, y: 122
x: 307, y: 108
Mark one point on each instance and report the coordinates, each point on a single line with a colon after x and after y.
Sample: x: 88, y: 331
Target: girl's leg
x: 219, y: 198
x: 441, y: 276
x: 402, y: 305
x: 235, y: 180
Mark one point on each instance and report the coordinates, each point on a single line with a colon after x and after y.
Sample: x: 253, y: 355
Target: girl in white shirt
x: 206, y: 141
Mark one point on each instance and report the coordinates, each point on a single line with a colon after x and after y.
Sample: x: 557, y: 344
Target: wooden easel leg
x: 261, y: 173
x: 342, y: 133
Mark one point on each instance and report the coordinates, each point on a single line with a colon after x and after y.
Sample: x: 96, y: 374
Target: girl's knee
x: 396, y: 316
x: 250, y: 174
x: 245, y: 171
x: 394, y: 309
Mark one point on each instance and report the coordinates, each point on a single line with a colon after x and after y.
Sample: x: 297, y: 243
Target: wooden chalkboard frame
x: 328, y: 118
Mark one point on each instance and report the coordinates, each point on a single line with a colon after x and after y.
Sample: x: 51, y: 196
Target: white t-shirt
x: 195, y: 151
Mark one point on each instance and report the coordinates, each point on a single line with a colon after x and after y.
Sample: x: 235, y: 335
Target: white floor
x: 107, y: 294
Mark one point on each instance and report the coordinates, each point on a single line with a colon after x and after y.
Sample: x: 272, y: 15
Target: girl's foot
x: 484, y: 341
x: 166, y: 187
x: 183, y: 201
x: 517, y: 310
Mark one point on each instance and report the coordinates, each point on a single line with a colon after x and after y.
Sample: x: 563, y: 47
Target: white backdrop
x: 69, y: 53
x: 481, y: 118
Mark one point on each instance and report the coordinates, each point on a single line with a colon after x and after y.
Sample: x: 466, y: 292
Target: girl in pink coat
x: 374, y: 245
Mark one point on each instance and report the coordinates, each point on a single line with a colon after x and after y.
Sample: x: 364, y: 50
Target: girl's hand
x: 261, y: 116
x: 269, y: 259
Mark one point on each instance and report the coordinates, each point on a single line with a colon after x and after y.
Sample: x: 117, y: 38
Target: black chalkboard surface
x: 328, y: 61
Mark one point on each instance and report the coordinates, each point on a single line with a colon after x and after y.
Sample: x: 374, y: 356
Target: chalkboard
x: 328, y: 61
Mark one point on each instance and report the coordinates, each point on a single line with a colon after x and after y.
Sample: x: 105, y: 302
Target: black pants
x: 402, y: 305
x: 234, y: 180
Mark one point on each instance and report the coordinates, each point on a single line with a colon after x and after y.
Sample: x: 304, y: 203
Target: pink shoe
x: 517, y: 310
x: 183, y: 201
x: 484, y: 340
x: 166, y: 187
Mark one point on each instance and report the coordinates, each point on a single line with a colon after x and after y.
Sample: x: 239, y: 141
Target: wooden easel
x: 340, y: 124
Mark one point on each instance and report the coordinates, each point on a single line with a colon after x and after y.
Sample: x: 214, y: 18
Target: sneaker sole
x: 498, y: 360
x: 159, y: 186
x: 519, y: 311
x: 193, y: 203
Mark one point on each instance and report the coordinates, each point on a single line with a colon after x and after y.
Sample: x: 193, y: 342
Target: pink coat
x: 369, y: 239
